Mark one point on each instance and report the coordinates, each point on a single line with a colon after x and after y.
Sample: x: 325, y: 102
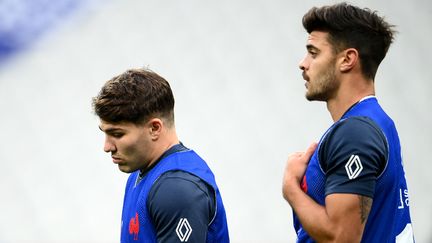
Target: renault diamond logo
x: 183, y: 230
x: 353, y: 167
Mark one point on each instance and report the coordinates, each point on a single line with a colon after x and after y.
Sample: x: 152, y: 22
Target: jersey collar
x: 358, y: 102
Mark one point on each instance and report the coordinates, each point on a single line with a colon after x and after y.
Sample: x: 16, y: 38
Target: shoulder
x: 360, y: 126
x: 354, y: 135
x: 354, y: 130
x: 353, y: 155
x: 179, y: 181
x: 175, y: 191
x: 176, y: 196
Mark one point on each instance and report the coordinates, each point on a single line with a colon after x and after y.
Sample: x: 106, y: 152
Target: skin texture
x: 321, y: 82
x: 137, y: 146
x: 335, y: 78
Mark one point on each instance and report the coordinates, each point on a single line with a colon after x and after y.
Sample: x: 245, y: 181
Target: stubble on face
x: 324, y: 86
x: 129, y: 144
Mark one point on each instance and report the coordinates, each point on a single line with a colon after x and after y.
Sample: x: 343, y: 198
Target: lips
x: 306, y: 78
x: 116, y: 160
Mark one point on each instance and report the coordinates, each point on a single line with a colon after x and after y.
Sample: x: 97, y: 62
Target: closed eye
x: 113, y: 132
x: 116, y: 134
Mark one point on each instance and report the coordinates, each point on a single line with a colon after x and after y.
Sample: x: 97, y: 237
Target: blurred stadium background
x: 239, y: 103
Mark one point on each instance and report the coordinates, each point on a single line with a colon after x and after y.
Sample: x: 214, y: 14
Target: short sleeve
x: 353, y: 155
x: 180, y: 202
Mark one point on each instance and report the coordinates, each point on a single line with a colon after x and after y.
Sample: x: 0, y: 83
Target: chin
x: 310, y: 97
x: 125, y: 169
x: 316, y: 97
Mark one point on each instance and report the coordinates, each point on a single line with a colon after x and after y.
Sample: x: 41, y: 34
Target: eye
x: 117, y: 134
x: 313, y: 53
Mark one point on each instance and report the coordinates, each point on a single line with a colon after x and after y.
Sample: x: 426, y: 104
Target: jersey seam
x: 196, y: 184
x: 370, y: 123
x: 377, y: 128
x: 185, y: 179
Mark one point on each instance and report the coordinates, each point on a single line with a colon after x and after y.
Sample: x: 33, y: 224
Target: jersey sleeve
x: 181, y: 207
x: 353, y: 155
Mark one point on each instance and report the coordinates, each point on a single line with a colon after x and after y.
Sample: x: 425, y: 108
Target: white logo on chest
x: 183, y: 230
x: 353, y: 167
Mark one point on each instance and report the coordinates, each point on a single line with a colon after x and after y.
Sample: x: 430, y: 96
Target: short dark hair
x: 135, y: 96
x: 352, y: 27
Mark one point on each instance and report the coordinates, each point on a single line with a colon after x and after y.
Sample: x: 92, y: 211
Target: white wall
x: 239, y: 103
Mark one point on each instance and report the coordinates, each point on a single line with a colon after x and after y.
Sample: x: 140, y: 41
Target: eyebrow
x: 109, y: 130
x: 310, y: 46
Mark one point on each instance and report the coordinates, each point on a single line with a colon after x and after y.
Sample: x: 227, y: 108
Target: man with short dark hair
x: 171, y: 194
x: 351, y: 186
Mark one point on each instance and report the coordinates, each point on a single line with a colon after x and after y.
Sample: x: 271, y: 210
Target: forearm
x: 312, y: 216
x: 341, y: 218
x: 324, y: 224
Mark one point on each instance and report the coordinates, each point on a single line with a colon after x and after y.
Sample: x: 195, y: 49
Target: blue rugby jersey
x: 136, y: 221
x: 371, y: 166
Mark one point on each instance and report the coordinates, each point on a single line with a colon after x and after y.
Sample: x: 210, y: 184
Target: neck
x: 349, y: 93
x: 171, y: 140
x: 166, y: 140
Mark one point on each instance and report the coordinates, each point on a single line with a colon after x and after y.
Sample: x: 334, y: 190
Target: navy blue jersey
x: 361, y: 154
x: 179, y: 194
x: 175, y: 201
x: 359, y: 140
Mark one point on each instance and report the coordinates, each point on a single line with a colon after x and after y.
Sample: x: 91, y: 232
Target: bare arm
x: 343, y: 217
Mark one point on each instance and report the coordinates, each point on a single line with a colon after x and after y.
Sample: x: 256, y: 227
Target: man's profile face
x: 319, y: 66
x: 130, y: 144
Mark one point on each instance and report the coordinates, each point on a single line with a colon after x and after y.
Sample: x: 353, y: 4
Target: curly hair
x: 135, y: 96
x: 352, y: 27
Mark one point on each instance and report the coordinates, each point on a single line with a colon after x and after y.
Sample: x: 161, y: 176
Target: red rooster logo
x: 134, y: 226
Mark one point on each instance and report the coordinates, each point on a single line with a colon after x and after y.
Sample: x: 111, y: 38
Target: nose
x: 302, y: 64
x: 109, y: 146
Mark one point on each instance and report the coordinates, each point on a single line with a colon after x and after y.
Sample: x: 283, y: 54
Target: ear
x: 349, y: 59
x: 155, y: 127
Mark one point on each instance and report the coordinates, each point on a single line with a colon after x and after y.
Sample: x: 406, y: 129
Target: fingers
x: 310, y: 150
x: 306, y: 154
x: 295, y: 169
